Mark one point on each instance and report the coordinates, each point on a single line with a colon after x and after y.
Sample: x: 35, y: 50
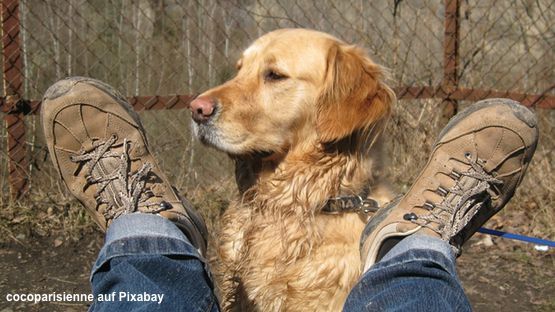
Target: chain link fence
x: 164, y: 47
x: 153, y: 50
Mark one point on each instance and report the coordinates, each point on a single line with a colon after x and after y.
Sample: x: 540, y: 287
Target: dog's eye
x: 274, y: 76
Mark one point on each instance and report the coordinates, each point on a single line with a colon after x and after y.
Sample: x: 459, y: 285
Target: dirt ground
x: 506, y: 276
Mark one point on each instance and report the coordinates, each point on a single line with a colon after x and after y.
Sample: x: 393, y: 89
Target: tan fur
x: 277, y: 251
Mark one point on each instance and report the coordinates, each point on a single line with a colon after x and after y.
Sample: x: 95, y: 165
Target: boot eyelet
x: 441, y: 191
x: 467, y: 154
x: 455, y: 175
x: 410, y: 216
x: 429, y: 205
x: 165, y: 205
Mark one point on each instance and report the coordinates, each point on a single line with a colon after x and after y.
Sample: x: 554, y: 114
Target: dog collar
x: 350, y: 203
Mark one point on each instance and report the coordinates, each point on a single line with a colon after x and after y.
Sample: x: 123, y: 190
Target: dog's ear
x: 354, y: 96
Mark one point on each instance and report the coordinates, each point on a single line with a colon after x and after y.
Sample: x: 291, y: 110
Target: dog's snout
x: 202, y: 108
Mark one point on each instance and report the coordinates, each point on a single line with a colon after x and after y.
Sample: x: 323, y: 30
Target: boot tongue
x: 123, y: 185
x: 463, y: 201
x: 453, y: 200
x: 111, y: 193
x: 137, y: 151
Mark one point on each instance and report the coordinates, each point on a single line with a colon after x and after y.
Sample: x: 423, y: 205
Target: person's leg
x: 148, y: 259
x: 409, y: 247
x: 418, y: 274
x: 156, y: 241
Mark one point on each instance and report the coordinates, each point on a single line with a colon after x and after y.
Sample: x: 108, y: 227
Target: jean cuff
x: 141, y: 225
x: 420, y: 241
x: 143, y: 234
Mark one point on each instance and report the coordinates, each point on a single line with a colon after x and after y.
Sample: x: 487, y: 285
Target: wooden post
x: 450, y: 57
x: 13, y: 106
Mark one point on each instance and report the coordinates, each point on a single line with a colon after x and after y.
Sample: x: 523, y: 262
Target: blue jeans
x: 418, y: 274
x: 147, y: 264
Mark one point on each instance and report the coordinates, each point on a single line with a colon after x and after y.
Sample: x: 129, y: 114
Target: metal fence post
x: 13, y: 107
x: 450, y: 57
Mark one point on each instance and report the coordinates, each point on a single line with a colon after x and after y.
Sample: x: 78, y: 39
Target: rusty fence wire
x: 161, y: 52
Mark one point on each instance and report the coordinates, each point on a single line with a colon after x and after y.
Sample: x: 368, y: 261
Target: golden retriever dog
x: 299, y: 119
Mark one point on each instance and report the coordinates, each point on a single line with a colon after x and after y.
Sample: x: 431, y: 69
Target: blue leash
x: 528, y: 239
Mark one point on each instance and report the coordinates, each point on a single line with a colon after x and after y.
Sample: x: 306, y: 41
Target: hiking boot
x: 100, y: 150
x: 476, y: 164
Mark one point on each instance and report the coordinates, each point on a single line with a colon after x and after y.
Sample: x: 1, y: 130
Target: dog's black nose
x: 202, y: 108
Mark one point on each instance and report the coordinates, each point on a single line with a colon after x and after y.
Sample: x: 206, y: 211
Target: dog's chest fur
x: 277, y: 266
x: 280, y: 253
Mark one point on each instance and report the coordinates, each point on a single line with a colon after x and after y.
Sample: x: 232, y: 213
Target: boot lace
x: 460, y: 203
x: 131, y: 193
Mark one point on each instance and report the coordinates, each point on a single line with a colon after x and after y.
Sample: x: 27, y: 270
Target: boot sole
x: 519, y: 111
x: 65, y: 85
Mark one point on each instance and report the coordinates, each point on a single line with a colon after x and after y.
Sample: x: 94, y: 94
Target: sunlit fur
x: 297, y: 141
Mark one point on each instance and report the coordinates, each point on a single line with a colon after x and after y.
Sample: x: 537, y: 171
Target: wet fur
x: 277, y: 250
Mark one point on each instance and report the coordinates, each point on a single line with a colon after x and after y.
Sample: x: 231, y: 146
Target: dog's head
x: 294, y: 89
